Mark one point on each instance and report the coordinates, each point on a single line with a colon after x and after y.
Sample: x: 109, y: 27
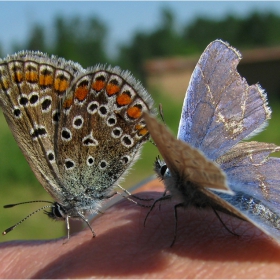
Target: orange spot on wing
x: 123, y: 99
x: 60, y: 84
x: 142, y: 130
x: 134, y: 112
x: 18, y: 77
x: 31, y: 76
x: 81, y: 93
x: 98, y: 85
x: 45, y: 80
x: 5, y: 84
x: 112, y: 89
x: 139, y: 126
x: 67, y: 103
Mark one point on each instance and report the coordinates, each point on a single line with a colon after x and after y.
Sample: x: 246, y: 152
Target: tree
x: 257, y: 29
x: 37, y: 39
x: 162, y: 42
x: 81, y: 41
x: 260, y: 29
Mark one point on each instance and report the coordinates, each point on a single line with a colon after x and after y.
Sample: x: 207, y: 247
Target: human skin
x: 124, y: 248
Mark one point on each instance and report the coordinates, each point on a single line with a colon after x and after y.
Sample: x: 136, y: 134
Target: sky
x: 123, y: 18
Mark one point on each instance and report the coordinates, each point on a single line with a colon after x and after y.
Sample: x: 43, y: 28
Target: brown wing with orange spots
x: 103, y: 115
x: 31, y: 88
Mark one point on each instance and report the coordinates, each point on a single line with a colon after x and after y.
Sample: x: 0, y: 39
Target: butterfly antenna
x: 28, y: 216
x: 162, y: 118
x: 16, y: 204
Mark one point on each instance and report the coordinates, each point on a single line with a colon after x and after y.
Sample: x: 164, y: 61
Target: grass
x: 18, y: 184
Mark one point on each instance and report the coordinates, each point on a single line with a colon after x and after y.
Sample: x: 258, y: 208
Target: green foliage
x: 258, y: 29
x: 164, y: 41
x: 82, y: 41
x: 263, y: 30
x: 14, y: 168
x: 37, y: 39
x: 203, y: 30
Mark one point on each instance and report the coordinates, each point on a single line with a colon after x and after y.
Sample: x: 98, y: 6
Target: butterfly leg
x: 111, y: 195
x: 176, y: 222
x: 68, y: 229
x: 140, y: 198
x: 164, y: 194
x: 134, y: 196
x: 222, y: 222
x: 153, y: 205
x: 128, y: 193
x: 86, y: 221
x: 137, y: 203
x: 107, y: 197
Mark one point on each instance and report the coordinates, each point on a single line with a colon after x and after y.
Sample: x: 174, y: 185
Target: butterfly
x: 208, y: 165
x: 79, y: 129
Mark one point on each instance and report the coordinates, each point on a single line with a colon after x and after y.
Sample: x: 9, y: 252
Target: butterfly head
x: 161, y: 168
x: 57, y: 212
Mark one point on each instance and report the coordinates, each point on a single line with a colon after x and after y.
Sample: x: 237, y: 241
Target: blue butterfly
x: 208, y: 165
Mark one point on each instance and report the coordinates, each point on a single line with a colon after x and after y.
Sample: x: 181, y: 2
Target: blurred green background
x: 75, y: 38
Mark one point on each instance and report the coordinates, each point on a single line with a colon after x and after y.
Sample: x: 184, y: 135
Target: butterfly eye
x: 163, y: 170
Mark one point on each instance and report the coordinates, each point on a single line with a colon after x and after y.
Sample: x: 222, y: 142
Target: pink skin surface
x: 124, y: 248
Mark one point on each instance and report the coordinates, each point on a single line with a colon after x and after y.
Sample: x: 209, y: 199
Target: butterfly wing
x: 249, y: 166
x: 254, y: 178
x: 181, y: 158
x: 220, y: 108
x: 32, y: 85
x: 100, y: 131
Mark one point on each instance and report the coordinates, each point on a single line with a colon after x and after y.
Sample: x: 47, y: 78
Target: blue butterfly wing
x: 220, y: 108
x: 254, y: 178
